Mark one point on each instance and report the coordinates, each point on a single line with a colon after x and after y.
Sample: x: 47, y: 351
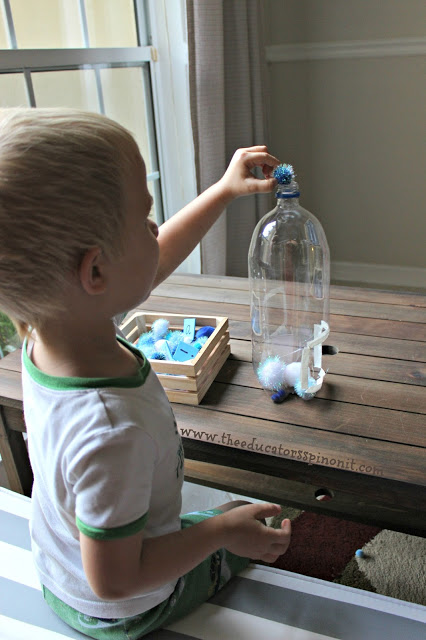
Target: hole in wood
x: 323, y: 495
x: 329, y: 350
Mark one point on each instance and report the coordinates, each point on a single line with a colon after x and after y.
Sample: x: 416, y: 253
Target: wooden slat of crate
x: 193, y: 383
x: 194, y: 398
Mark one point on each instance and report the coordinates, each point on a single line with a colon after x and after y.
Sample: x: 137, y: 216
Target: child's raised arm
x: 181, y: 233
x: 118, y: 569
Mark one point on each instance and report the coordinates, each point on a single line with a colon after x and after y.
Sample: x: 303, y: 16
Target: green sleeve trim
x: 114, y: 533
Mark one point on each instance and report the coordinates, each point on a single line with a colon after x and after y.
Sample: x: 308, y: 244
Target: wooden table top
x: 361, y: 441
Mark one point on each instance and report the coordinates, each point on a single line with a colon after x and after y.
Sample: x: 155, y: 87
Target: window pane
x: 76, y: 89
x: 125, y: 102
x: 111, y: 23
x: 155, y: 206
x: 4, y: 41
x: 47, y: 24
x: 13, y: 91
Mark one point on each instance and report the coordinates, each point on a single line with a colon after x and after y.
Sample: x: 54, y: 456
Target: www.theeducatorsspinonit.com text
x: 259, y: 446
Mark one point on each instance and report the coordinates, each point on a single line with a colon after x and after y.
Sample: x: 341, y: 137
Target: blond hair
x: 61, y: 192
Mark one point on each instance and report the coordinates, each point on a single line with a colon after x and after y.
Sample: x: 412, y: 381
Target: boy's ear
x: 92, y: 272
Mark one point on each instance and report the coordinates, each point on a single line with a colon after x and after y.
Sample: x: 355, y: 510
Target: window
x: 127, y: 59
x: 87, y: 54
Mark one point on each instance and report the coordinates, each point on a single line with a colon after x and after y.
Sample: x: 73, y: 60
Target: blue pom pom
x: 158, y: 355
x: 279, y: 396
x: 197, y: 344
x: 145, y: 339
x: 174, y: 338
x: 148, y: 350
x: 204, y: 331
x: 284, y: 173
x: 159, y: 328
x: 303, y: 394
x: 359, y: 553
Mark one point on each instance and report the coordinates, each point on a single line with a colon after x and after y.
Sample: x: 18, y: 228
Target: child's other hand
x: 239, y: 180
x: 247, y: 536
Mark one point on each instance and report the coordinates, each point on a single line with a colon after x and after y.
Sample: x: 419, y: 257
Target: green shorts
x: 191, y: 590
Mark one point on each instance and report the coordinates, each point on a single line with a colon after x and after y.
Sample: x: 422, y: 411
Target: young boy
x: 77, y: 248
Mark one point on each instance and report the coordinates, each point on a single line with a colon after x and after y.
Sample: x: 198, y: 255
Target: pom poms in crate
x: 162, y: 344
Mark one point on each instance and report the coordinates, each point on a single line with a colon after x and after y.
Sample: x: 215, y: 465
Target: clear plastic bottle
x: 289, y: 272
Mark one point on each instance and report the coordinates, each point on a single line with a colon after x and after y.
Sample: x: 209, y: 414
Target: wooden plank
x: 373, y: 393
x: 279, y: 443
x: 14, y: 418
x: 10, y: 388
x: 15, y: 457
x: 337, y: 307
x: 238, y: 370
x: 359, y: 508
x: 364, y: 294
x: 344, y: 324
x: 356, y: 366
x: 325, y: 415
x: 12, y: 361
x: 338, y: 292
x: 351, y: 343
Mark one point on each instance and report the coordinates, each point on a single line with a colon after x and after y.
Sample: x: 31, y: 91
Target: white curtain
x: 227, y: 72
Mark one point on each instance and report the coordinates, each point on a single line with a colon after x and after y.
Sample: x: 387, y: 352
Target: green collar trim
x: 115, y: 533
x: 76, y: 383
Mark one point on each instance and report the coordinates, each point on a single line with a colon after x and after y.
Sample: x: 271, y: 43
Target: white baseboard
x: 379, y: 274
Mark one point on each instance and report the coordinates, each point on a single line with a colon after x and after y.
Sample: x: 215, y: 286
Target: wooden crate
x: 185, y: 382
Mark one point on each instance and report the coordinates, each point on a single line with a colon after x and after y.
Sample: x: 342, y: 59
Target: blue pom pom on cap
x: 284, y: 173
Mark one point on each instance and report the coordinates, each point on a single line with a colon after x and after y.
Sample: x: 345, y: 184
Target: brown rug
x: 393, y: 564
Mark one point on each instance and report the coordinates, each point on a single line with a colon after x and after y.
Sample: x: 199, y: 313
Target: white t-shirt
x: 108, y: 461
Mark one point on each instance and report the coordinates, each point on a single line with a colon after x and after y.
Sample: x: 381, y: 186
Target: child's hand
x: 239, y: 180
x: 247, y: 536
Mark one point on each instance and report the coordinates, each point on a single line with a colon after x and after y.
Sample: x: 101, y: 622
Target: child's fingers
x: 257, y: 185
x: 265, y: 509
x: 258, y: 147
x: 261, y: 159
x: 275, y: 550
x: 282, y: 535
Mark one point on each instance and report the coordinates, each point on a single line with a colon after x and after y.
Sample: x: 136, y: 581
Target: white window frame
x: 170, y: 81
x: 167, y: 57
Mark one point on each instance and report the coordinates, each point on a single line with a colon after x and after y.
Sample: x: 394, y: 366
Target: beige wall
x: 354, y: 127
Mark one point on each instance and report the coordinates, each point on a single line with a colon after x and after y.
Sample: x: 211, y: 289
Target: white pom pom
x: 159, y: 328
x: 291, y: 373
x: 159, y: 344
x: 187, y: 339
x: 271, y: 373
